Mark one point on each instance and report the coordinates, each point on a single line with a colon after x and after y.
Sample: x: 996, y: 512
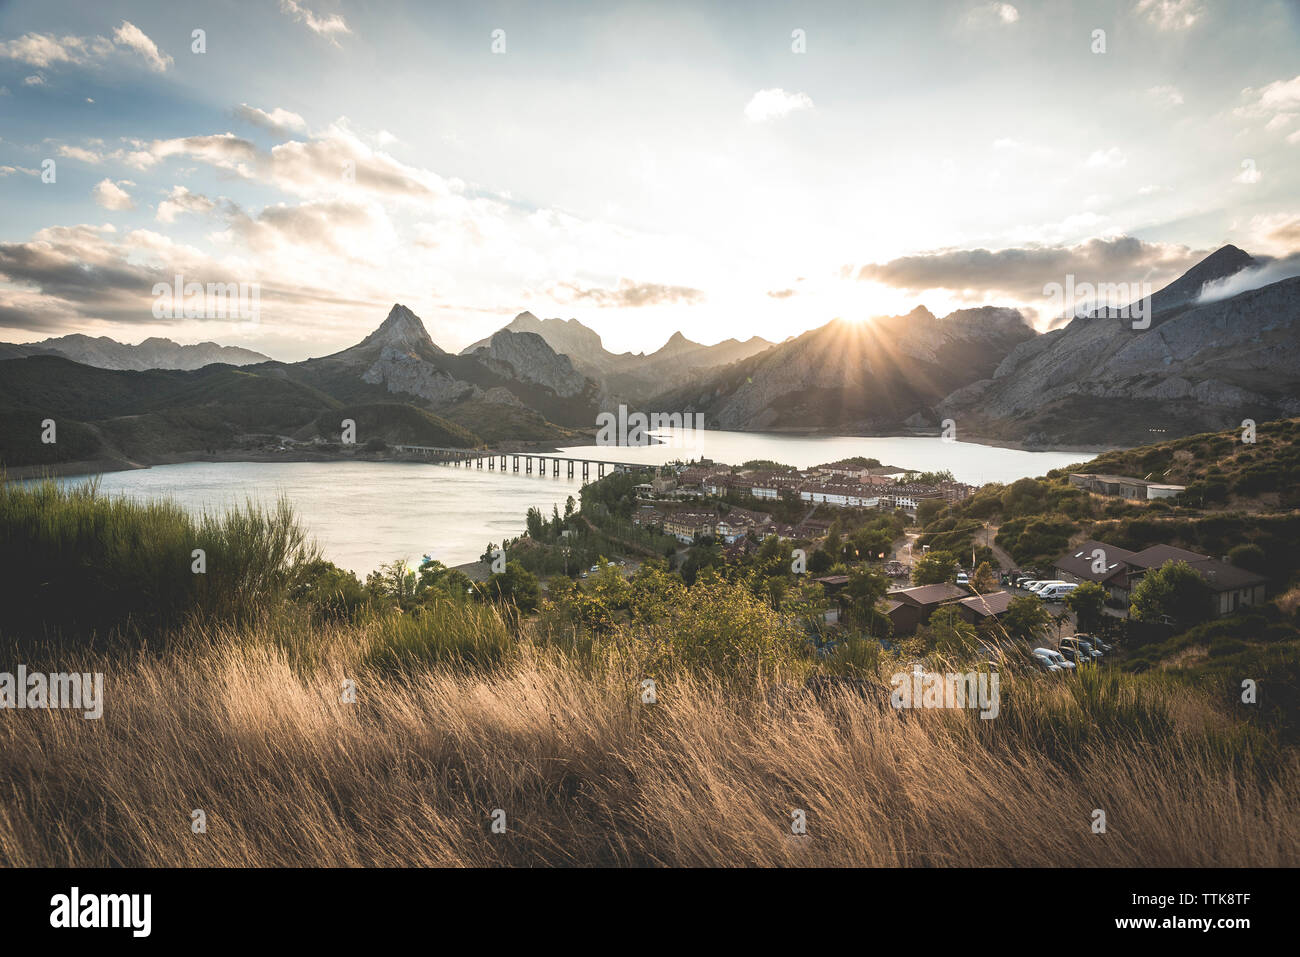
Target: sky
x: 722, y: 169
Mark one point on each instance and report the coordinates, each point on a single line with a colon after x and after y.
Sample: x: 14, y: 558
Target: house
x: 981, y: 608
x: 1124, y: 486
x: 1094, y: 561
x: 914, y: 606
x: 686, y: 524
x: 1232, y: 587
x: 1119, y: 571
x: 842, y: 494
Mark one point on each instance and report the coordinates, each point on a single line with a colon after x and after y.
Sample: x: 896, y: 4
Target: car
x: 594, y: 568
x: 1076, y: 652
x: 963, y: 578
x: 1102, y: 646
x: 1055, y: 592
x: 1083, y: 647
x: 1052, y: 660
x: 584, y: 574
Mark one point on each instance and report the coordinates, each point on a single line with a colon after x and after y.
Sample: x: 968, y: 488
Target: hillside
x: 396, y: 383
x: 121, y: 418
x: 855, y: 377
x: 1098, y: 381
x: 153, y: 353
x: 627, y: 376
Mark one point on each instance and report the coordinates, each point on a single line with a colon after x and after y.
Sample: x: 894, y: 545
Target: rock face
x: 855, y: 377
x: 627, y: 377
x: 153, y: 353
x: 526, y: 356
x: 1199, y: 366
x: 515, y: 381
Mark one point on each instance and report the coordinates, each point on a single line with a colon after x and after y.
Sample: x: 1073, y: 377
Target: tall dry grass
x: 248, y: 728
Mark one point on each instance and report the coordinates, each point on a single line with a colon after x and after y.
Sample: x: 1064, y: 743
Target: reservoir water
x: 366, y: 513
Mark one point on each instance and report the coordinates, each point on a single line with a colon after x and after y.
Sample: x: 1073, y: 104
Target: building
x: 841, y: 494
x: 1094, y: 561
x: 684, y: 525
x: 978, y: 609
x: 1119, y: 571
x: 1123, y: 486
x: 909, y: 607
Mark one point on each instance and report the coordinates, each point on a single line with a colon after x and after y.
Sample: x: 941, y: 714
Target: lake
x: 366, y: 513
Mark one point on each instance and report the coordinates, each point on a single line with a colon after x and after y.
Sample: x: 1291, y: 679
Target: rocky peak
x: 401, y: 330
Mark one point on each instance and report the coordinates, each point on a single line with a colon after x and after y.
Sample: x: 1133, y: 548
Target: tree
x: 1087, y: 602
x: 864, y: 590
x: 1174, y: 590
x: 984, y: 581
x: 536, y: 524
x: 950, y: 634
x: 928, y: 510
x: 1250, y: 557
x: 933, y: 568
x: 1026, y: 619
x: 516, y: 584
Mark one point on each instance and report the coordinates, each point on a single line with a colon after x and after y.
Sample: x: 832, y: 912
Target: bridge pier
x: 516, y: 463
x: 585, y: 466
x: 570, y: 462
x: 601, y: 472
x: 528, y: 464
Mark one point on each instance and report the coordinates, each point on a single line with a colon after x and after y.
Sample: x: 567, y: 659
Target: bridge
x: 476, y: 457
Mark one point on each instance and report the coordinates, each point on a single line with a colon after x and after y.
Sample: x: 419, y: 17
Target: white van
x: 1055, y: 592
x: 1038, y: 586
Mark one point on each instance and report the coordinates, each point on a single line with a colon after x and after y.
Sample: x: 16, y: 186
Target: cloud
x: 181, y: 200
x: 780, y: 293
x: 1252, y: 278
x: 323, y: 26
x: 1112, y: 158
x: 1279, y: 101
x: 277, y: 121
x: 111, y: 196
x: 771, y: 104
x: 133, y: 38
x: 46, y: 50
x: 1249, y: 174
x: 1020, y: 273
x: 79, y: 153
x: 628, y: 294
x: 1170, y: 14
x: 993, y: 13
x: 6, y: 170
x: 1166, y: 95
x: 34, y: 80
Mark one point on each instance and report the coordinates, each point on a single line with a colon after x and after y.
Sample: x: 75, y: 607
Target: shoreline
x: 92, y: 467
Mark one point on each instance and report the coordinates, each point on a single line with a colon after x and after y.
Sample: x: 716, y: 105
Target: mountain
x: 1200, y: 366
x: 514, y: 388
x: 396, y: 384
x: 627, y: 376
x: 153, y: 353
x: 854, y: 377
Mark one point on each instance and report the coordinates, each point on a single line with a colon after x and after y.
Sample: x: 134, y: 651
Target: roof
x: 929, y: 594
x: 1078, y: 561
x: 1225, y: 577
x: 994, y: 603
x: 1157, y: 555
